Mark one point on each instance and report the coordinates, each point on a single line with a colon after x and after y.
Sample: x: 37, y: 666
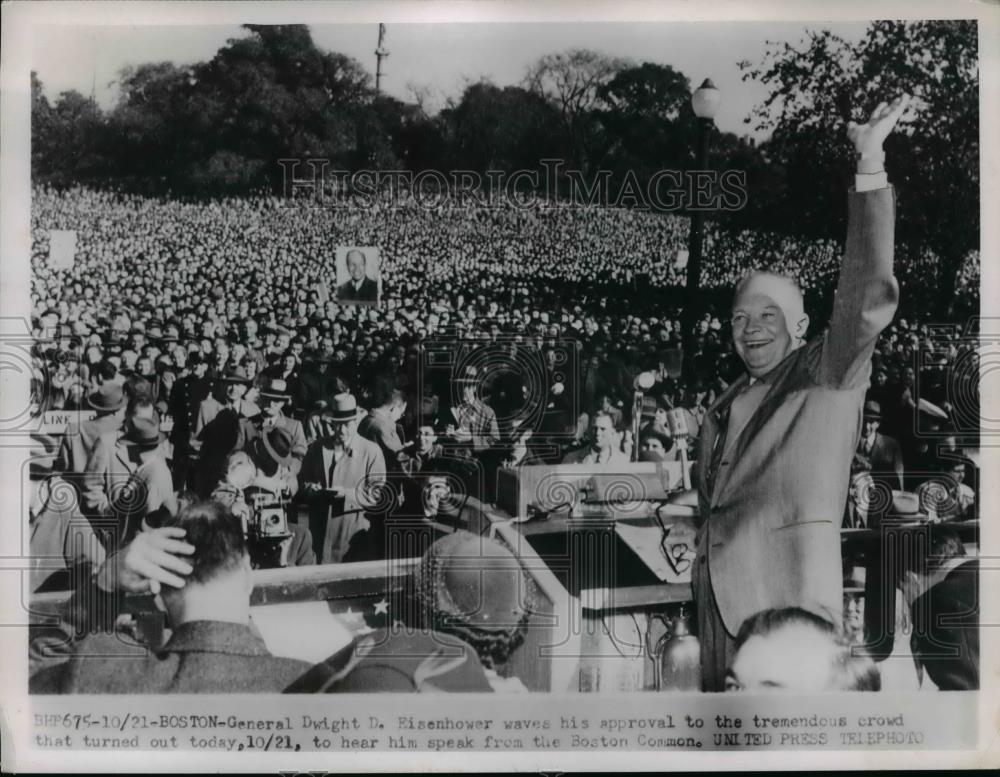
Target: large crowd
x: 562, y: 304
x: 207, y: 341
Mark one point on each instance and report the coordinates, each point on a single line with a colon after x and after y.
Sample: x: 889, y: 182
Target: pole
x: 380, y: 53
x: 637, y: 402
x: 692, y: 296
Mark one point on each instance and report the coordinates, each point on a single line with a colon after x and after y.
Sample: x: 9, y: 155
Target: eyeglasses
x: 676, y: 553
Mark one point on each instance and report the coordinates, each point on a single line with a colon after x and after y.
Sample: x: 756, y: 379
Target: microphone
x: 643, y: 382
x: 678, y: 427
x: 677, y: 423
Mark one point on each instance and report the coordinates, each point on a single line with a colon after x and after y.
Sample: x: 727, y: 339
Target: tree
x: 648, y: 122
x: 274, y: 95
x: 66, y: 143
x: 41, y: 128
x: 815, y: 90
x: 501, y: 129
x: 571, y: 81
x: 223, y: 125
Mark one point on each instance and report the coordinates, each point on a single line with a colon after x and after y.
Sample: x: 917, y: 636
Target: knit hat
x: 475, y: 588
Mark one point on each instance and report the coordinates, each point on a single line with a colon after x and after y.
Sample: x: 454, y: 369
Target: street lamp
x: 705, y: 101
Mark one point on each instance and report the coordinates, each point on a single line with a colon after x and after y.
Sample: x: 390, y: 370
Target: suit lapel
x: 777, y: 381
x: 122, y: 452
x: 714, y: 428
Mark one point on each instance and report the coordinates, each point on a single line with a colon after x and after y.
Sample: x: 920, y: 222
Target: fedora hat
x: 343, y: 407
x: 107, y: 399
x: 278, y: 444
x: 236, y: 374
x: 275, y: 388
x: 144, y: 432
x: 873, y: 410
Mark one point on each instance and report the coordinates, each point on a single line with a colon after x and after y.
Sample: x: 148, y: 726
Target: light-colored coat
x: 774, y: 504
x: 78, y: 443
x: 118, y: 484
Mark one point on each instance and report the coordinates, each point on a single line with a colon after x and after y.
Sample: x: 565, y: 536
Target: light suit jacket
x: 78, y: 444
x: 774, y: 505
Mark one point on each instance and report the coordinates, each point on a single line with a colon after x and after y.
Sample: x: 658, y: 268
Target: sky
x: 440, y: 59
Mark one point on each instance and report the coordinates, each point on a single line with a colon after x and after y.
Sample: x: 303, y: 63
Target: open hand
x: 152, y: 558
x: 868, y: 138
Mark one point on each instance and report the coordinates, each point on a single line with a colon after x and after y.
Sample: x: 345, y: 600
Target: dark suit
x: 886, y: 458
x: 185, y: 400
x: 294, y: 429
x: 407, y: 532
x: 379, y: 427
x: 772, y: 499
x: 366, y: 292
x: 200, y: 657
x: 945, y: 638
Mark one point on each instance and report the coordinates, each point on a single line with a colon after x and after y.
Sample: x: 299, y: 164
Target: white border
x: 15, y: 53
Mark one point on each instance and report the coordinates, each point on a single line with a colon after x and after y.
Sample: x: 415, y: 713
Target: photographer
x: 258, y: 481
x: 275, y: 395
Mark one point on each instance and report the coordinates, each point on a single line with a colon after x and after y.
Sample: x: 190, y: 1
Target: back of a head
x: 791, y: 631
x: 474, y: 587
x: 137, y: 389
x: 106, y: 370
x: 386, y: 393
x: 217, y: 537
x: 929, y: 554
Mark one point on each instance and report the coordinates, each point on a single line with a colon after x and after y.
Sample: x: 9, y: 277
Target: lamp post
x: 705, y: 101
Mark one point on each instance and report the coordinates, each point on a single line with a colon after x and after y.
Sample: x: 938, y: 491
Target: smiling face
x: 356, y: 265
x: 760, y: 333
x: 426, y: 438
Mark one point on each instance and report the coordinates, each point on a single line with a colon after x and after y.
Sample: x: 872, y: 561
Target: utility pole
x: 380, y: 53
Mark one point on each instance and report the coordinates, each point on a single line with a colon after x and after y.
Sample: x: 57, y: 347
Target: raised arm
x: 867, y: 292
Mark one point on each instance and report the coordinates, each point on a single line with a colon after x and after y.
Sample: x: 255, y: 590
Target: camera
x: 266, y: 531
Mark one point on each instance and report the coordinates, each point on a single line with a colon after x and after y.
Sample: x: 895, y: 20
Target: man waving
x: 775, y: 448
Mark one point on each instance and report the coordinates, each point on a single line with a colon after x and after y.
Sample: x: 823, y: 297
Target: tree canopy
x: 221, y: 126
x: 933, y: 158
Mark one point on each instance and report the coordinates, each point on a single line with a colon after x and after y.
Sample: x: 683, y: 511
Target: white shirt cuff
x: 867, y: 183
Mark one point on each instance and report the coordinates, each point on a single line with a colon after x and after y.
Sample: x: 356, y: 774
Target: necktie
x: 329, y: 474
